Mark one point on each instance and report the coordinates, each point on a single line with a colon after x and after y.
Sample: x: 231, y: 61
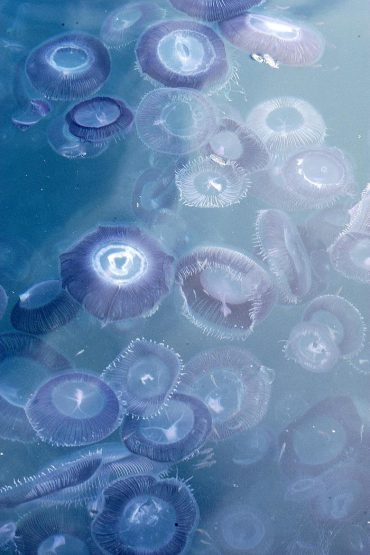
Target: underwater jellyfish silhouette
x: 214, y: 10
x: 154, y: 190
x: 73, y: 409
x: 224, y: 292
x: 173, y: 435
x: 287, y: 42
x: 312, y: 346
x: 117, y: 273
x: 3, y: 301
x: 303, y: 489
x: 175, y: 121
x: 69, y: 66
x: 145, y: 515
x: 253, y: 446
x: 233, y: 384
x: 144, y: 376
x: 32, y: 113
x: 69, y: 146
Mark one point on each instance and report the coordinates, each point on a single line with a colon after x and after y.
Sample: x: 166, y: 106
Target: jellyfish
x: 344, y: 321
x: 73, y: 409
x: 225, y: 293
x: 34, y: 111
x: 350, y: 255
x: 326, y: 434
x: 183, y: 54
x: 253, y: 446
x: 303, y: 489
x: 146, y: 515
x: 173, y: 435
x: 204, y: 183
x: 175, y: 121
x: 233, y: 384
x: 312, y: 346
x: 99, y: 119
x: 125, y: 24
x: 287, y: 42
x: 117, y: 273
x: 144, y: 376
x: 214, y: 10
x: 281, y: 246
x: 285, y: 124
x: 3, y: 301
x: 154, y: 190
x: 67, y: 145
x: 44, y: 307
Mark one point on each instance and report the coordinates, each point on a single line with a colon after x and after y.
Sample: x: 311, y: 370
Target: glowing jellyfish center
x: 78, y: 400
x: 360, y: 253
x: 126, y: 18
x: 171, y: 426
x: 319, y: 441
x: 180, y: 118
x: 227, y: 144
x: 62, y: 544
x: 284, y: 120
x: 69, y: 58
x: 149, y: 377
x: 227, y: 288
x: 97, y: 114
x: 185, y: 52
x: 280, y: 29
x: 120, y: 264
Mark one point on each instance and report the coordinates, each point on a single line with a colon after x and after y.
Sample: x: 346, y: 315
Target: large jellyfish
x: 214, y: 10
x: 312, y: 346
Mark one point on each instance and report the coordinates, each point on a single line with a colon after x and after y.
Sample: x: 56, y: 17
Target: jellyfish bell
x: 69, y: 146
x: 214, y: 10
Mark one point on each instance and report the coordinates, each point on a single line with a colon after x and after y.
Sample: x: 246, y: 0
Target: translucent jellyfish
x: 233, y: 384
x: 312, y: 346
x: 328, y: 433
x: 3, y: 301
x: 214, y: 10
x: 204, y: 183
x: 43, y: 308
x: 285, y: 124
x: 125, y: 24
x: 287, y: 42
x: 67, y: 145
x: 31, y: 114
x: 73, y: 409
x: 183, y: 54
x: 253, y: 446
x: 175, y: 121
x: 145, y: 515
x: 69, y: 66
x: 117, y: 273
x: 173, y: 435
x: 350, y: 255
x: 344, y: 321
x: 304, y: 489
x: 224, y: 292
x: 144, y: 376
x: 281, y: 247
x: 154, y: 190
x: 99, y: 119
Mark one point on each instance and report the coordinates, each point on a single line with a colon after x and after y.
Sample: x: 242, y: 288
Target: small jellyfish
x: 183, y: 54
x: 73, y: 409
x: 225, y: 293
x: 281, y: 247
x: 203, y: 183
x: 144, y: 376
x: 233, y: 384
x: 174, y: 434
x: 285, y: 124
x: 99, y: 119
x: 175, y: 121
x: 304, y: 489
x: 3, y: 301
x: 67, y: 145
x: 214, y: 10
x: 125, y: 24
x: 312, y: 346
x: 344, y: 321
x: 253, y: 446
x: 350, y: 255
x: 69, y: 66
x: 145, y: 515
x: 287, y: 42
x: 34, y: 111
x: 154, y: 190
x: 43, y: 308
x: 117, y: 273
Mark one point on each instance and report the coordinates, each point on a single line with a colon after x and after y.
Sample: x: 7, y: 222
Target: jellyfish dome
x: 233, y: 384
x: 145, y: 515
x: 205, y: 183
x: 174, y: 434
x: 73, y: 409
x: 287, y: 42
x: 175, y: 121
x: 282, y: 248
x: 225, y: 293
x: 154, y: 190
x: 69, y: 146
x: 69, y: 66
x: 117, y: 273
x: 214, y: 10
x: 285, y: 124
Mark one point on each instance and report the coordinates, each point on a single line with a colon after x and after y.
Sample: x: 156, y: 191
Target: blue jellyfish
x: 43, y: 308
x: 287, y: 42
x: 69, y: 146
x: 183, y: 54
x: 99, y: 119
x: 144, y: 376
x: 350, y: 255
x: 69, y: 66
x: 224, y: 292
x: 282, y: 248
x: 3, y: 301
x: 125, y: 24
x: 145, y: 515
x: 175, y: 121
x: 117, y: 273
x: 233, y: 384
x: 253, y: 446
x: 312, y: 346
x: 73, y: 409
x: 285, y: 124
x: 34, y: 111
x: 174, y: 434
x: 205, y: 183
x: 154, y: 190
x: 214, y: 10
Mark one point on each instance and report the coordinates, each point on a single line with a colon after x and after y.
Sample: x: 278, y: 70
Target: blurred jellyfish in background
x: 69, y: 146
x: 253, y: 446
x: 312, y: 346
x: 214, y: 10
x: 35, y: 111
